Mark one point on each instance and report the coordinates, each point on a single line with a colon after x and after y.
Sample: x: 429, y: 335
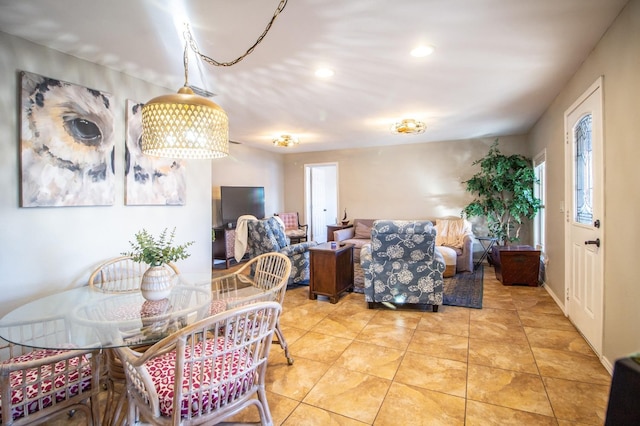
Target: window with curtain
x: 539, y: 190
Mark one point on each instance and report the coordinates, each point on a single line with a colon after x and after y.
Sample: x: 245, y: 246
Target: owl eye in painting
x: 84, y: 131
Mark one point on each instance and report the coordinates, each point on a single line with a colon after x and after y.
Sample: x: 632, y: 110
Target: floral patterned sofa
x: 267, y: 235
x: 401, y: 265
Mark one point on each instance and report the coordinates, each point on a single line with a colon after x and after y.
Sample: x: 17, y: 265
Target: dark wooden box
x: 516, y: 264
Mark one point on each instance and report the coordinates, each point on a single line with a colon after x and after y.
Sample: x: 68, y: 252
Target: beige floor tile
x: 279, y: 406
x: 537, y: 305
x: 500, y: 316
x: 386, y: 335
x: 319, y: 347
x: 371, y: 359
x: 307, y: 415
x: 456, y: 323
x: 561, y: 340
x: 504, y: 355
x: 484, y: 330
x: 398, y: 318
x: 335, y: 324
x: 481, y: 414
x: 577, y: 402
x: 570, y: 366
x: 408, y: 405
x: 520, y: 391
x: 498, y: 302
x: 437, y: 374
x: 303, y: 317
x: 349, y: 393
x: 440, y: 345
x: 294, y: 381
x: 554, y: 322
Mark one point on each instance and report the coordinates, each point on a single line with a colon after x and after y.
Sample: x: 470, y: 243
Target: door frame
x: 307, y: 195
x: 569, y: 204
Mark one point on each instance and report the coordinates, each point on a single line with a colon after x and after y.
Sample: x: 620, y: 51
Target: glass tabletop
x: 84, y: 318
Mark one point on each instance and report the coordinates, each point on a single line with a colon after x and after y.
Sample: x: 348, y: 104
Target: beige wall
x: 44, y: 250
x: 617, y: 58
x: 401, y: 182
x: 248, y: 167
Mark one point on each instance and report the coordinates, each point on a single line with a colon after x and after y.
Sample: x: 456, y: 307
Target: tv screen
x: 236, y: 201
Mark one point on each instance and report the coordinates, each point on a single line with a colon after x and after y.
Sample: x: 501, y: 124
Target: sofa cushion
x: 362, y: 231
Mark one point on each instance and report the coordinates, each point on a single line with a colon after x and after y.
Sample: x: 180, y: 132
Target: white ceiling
x: 498, y: 63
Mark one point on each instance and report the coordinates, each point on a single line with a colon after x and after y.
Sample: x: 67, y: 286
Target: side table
x: 487, y: 244
x: 331, y: 228
x: 330, y: 271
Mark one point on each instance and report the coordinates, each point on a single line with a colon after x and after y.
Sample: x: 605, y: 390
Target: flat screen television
x: 236, y: 201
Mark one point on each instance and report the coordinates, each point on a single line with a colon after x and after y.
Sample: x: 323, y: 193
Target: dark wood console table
x: 330, y: 271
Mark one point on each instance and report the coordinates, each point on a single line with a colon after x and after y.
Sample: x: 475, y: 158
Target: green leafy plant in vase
x: 503, y: 193
x: 157, y: 252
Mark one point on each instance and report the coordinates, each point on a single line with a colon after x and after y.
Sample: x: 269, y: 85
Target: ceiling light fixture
x: 422, y: 51
x: 185, y: 125
x: 286, y: 141
x: 324, y: 72
x: 409, y: 126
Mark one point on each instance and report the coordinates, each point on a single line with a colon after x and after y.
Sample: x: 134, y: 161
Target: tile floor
x: 517, y: 361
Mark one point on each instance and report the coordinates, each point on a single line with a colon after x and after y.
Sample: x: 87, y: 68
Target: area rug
x: 464, y: 289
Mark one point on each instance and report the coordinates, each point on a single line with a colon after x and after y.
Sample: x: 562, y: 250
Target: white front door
x: 585, y: 244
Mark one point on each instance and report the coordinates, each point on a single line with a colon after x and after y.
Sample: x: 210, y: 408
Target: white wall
x: 617, y: 58
x: 246, y: 166
x: 45, y: 250
x: 417, y: 181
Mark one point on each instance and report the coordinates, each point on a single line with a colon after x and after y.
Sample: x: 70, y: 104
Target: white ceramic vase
x: 157, y: 282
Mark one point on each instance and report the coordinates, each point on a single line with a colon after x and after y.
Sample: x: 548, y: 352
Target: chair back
x: 264, y: 236
x: 205, y: 372
x: 37, y: 384
x: 121, y: 275
x: 409, y: 240
x: 290, y: 220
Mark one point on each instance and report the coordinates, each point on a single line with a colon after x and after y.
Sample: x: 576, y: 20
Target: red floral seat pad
x: 60, y: 380
x: 162, y: 368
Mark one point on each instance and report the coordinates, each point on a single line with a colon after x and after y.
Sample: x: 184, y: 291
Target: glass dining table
x: 84, y: 318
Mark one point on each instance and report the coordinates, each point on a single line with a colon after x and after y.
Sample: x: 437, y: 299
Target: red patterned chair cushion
x: 68, y: 383
x: 161, y: 370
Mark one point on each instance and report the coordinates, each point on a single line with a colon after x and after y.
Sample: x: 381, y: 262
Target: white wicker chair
x: 206, y: 372
x: 121, y: 275
x: 118, y: 275
x: 268, y: 272
x: 37, y: 384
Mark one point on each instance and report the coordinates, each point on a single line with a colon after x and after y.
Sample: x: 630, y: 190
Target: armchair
x: 401, y: 264
x: 456, y: 235
x: 267, y: 235
x: 296, y: 232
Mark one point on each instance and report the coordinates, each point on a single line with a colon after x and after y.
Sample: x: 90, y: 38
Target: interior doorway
x: 321, y: 198
x: 584, y: 227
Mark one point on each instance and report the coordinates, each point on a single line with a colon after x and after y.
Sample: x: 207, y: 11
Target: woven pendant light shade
x: 184, y: 125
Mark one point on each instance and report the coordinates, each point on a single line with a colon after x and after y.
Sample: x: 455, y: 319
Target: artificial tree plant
x: 503, y: 191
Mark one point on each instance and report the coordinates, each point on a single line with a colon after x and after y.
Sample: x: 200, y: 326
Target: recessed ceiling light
x: 422, y: 51
x: 324, y: 72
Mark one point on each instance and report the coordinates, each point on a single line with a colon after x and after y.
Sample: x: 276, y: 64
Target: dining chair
x: 118, y: 275
x: 37, y: 384
x: 205, y: 372
x: 268, y: 272
x: 121, y: 274
x: 295, y: 231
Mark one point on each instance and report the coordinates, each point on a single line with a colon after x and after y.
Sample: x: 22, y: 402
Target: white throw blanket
x: 241, y: 236
x: 451, y: 232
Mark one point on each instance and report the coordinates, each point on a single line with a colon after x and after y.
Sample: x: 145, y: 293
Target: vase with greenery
x: 157, y: 252
x: 503, y: 191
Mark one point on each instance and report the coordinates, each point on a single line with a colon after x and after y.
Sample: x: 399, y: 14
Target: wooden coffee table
x: 331, y: 270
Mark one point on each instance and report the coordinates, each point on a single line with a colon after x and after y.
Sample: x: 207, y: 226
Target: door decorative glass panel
x: 584, y: 171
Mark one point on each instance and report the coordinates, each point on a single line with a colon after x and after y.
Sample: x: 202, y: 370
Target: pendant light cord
x: 191, y: 43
